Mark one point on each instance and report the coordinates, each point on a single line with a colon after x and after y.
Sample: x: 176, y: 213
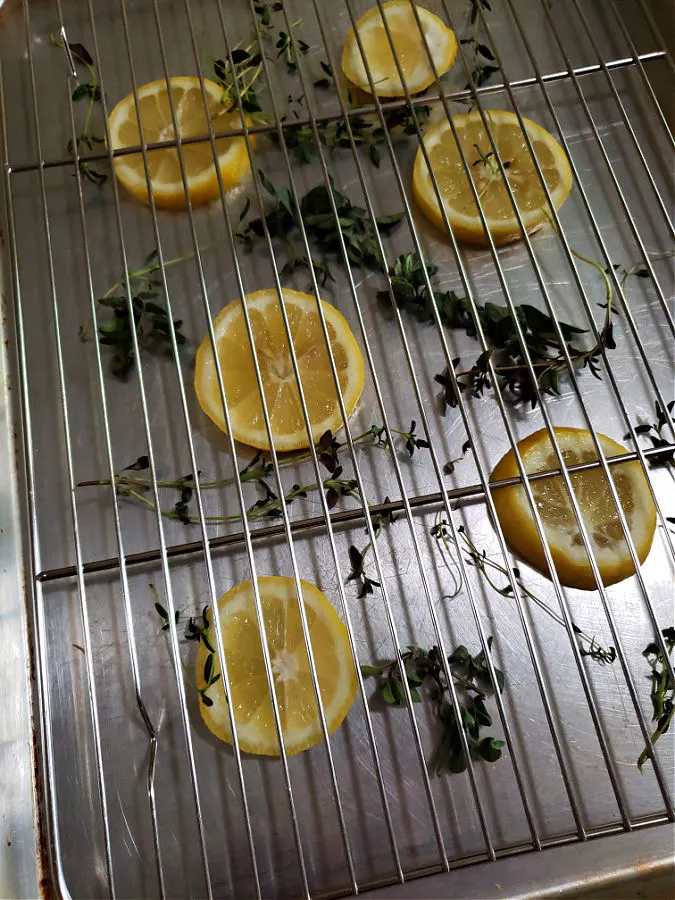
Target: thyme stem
x: 483, y: 563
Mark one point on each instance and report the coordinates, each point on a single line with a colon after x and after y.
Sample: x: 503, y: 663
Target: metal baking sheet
x: 79, y: 840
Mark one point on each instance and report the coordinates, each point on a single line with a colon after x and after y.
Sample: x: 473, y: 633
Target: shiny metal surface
x: 141, y: 799
x: 20, y: 870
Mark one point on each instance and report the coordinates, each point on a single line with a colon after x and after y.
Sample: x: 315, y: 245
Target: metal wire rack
x: 140, y: 800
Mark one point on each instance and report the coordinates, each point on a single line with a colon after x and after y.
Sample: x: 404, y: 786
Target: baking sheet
x: 124, y: 741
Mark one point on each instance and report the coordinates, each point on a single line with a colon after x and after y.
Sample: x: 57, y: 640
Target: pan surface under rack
x: 140, y: 798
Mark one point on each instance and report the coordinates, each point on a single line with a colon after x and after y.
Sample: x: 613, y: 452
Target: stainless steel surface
x: 140, y: 799
x: 19, y: 870
x: 623, y: 866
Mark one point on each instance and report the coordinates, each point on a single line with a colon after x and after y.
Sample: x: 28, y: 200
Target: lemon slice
x: 281, y: 389
x: 597, y: 507
x: 455, y: 190
x: 250, y: 696
x: 409, y: 45
x: 163, y: 165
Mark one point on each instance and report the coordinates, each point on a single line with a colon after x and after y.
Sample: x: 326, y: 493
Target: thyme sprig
x: 490, y: 172
x: 196, y: 629
x: 286, y: 51
x: 483, y: 61
x: 488, y: 567
x: 357, y: 558
x: 241, y: 78
x: 412, y: 442
x: 91, y: 91
x: 637, y: 270
x: 130, y: 482
x: 471, y: 676
x: 150, y: 320
x: 662, y: 692
x: 264, y: 13
x: 411, y: 294
x: 323, y: 230
x: 653, y: 431
x: 367, y: 131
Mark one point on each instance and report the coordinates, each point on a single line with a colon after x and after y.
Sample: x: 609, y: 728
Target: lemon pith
x: 253, y: 712
x: 409, y: 45
x: 164, y: 165
x: 274, y: 357
x: 454, y: 187
x: 595, y: 501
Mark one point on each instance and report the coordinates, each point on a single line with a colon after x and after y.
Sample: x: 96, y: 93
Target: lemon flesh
x: 154, y: 108
x: 408, y: 44
x: 458, y: 200
x: 597, y: 506
x: 249, y: 692
x: 280, y: 385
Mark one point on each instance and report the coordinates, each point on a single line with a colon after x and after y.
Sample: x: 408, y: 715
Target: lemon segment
x: 251, y: 702
x: 455, y: 190
x: 599, y: 512
x: 163, y: 165
x: 280, y: 386
x: 409, y: 45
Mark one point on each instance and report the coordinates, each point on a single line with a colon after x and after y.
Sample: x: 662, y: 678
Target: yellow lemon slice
x: 597, y: 507
x: 455, y: 190
x: 250, y: 698
x: 409, y: 45
x: 281, y: 389
x: 164, y: 167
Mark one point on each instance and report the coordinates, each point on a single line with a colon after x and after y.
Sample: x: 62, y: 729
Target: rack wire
x: 149, y: 805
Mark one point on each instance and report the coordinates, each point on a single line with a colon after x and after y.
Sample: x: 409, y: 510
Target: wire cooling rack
x: 140, y: 799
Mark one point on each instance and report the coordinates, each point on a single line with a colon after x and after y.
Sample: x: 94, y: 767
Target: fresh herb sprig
x: 196, y: 629
x: 662, y: 691
x: 653, y: 431
x: 286, y: 51
x: 357, y: 558
x: 91, y: 91
x: 161, y: 611
x: 471, y: 677
x: 323, y: 231
x: 264, y: 13
x: 488, y: 567
x: 482, y: 59
x: 623, y: 273
x: 367, y: 132
x: 132, y: 483
x: 411, y: 294
x: 240, y: 78
x: 150, y: 320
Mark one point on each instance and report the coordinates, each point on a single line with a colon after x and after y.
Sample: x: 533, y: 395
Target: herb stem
x: 609, y: 294
x: 483, y: 563
x: 487, y: 562
x: 149, y: 270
